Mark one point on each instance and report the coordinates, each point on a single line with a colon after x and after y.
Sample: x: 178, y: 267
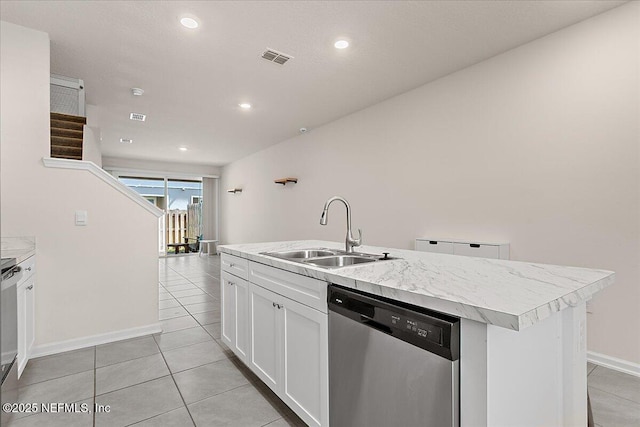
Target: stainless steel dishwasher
x: 391, y: 364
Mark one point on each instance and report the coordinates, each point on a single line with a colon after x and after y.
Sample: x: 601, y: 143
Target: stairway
x: 66, y: 136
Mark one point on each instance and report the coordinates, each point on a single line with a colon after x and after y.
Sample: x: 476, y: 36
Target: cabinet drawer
x: 434, y: 246
x: 28, y: 267
x: 308, y: 291
x: 234, y: 265
x: 477, y: 250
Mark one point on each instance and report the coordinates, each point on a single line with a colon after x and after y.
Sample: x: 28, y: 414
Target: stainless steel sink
x: 303, y: 254
x: 340, y: 261
x: 327, y: 258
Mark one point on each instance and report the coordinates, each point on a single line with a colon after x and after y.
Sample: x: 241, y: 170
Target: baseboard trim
x: 614, y: 363
x: 78, y: 343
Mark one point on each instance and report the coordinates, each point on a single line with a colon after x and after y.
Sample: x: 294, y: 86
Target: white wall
x: 91, y: 150
x: 538, y: 146
x: 91, y: 145
x: 111, y: 163
x: 91, y: 280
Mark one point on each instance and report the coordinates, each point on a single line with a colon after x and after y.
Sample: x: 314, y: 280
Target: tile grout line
x: 615, y: 395
x: 219, y: 393
x: 175, y: 383
x: 57, y: 378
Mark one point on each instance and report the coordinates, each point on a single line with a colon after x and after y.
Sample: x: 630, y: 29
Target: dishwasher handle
x: 353, y: 305
x: 375, y: 325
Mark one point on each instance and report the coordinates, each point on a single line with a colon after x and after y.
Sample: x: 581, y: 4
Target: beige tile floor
x: 186, y: 376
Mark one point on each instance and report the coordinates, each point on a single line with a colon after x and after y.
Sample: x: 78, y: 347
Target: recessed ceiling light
x: 341, y: 44
x: 126, y: 141
x: 189, y: 23
x: 136, y: 91
x: 245, y: 106
x: 183, y: 148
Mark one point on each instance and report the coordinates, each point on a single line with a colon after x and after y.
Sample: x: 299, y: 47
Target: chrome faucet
x: 350, y: 242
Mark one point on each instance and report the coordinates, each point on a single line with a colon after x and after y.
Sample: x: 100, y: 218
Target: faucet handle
x: 358, y: 241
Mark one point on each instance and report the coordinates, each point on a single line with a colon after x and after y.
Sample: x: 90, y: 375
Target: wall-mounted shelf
x: 234, y: 190
x: 284, y: 181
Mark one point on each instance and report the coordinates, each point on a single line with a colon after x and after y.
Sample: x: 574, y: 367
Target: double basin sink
x: 327, y: 258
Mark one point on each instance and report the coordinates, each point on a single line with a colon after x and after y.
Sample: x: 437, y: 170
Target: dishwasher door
x: 378, y: 379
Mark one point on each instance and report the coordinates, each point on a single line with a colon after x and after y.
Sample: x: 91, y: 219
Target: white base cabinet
x: 235, y: 319
x: 305, y: 360
x: 289, y: 352
x: 26, y: 313
x: 286, y: 341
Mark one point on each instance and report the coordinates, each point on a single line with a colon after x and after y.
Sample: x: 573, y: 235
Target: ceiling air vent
x: 275, y: 56
x: 138, y: 117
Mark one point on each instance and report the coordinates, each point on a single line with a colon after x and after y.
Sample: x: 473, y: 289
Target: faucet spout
x: 350, y: 241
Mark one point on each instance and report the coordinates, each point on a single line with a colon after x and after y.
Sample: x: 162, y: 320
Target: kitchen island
x: 522, y: 330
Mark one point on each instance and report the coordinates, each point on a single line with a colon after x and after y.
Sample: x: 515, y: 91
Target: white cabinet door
x: 30, y: 333
x: 305, y: 371
x: 265, y: 345
x: 235, y: 315
x: 228, y: 306
x: 22, y: 328
x: 241, y: 342
x: 26, y: 323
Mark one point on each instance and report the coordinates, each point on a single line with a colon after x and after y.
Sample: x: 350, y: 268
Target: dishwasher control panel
x: 418, y: 328
x: 433, y: 331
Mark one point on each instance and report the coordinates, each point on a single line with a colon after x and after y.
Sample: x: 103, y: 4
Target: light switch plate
x: 81, y: 218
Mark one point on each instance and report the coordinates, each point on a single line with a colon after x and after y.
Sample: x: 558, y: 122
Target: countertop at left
x: 19, y: 248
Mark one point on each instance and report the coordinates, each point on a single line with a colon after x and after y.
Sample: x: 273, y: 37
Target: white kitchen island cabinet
x: 522, y: 327
x: 287, y: 340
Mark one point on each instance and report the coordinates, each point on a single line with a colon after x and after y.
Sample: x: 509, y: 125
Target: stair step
x: 67, y: 133
x: 61, y: 124
x: 68, y: 118
x: 64, y: 152
x: 66, y: 156
x: 65, y: 149
x: 66, y: 142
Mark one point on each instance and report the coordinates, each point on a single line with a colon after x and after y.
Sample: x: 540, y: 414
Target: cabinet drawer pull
x: 474, y: 245
x: 230, y: 283
x: 231, y: 265
x: 28, y: 268
x: 274, y: 304
x: 29, y: 287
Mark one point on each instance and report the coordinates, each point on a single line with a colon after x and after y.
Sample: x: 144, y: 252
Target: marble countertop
x: 509, y: 294
x: 19, y: 254
x: 19, y: 248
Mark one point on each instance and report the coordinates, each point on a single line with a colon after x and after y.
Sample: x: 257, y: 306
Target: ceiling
x: 194, y: 80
